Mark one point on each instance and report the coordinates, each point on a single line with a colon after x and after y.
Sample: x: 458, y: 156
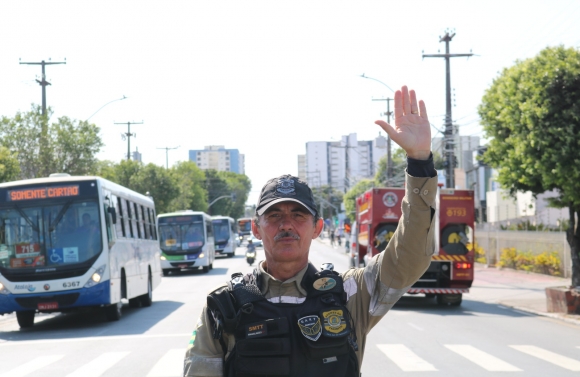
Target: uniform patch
x: 256, y: 330
x: 310, y: 327
x: 334, y: 325
x: 324, y: 284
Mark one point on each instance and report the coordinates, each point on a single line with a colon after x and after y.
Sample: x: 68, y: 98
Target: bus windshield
x: 181, y: 237
x: 53, y: 235
x: 245, y: 226
x: 221, y: 230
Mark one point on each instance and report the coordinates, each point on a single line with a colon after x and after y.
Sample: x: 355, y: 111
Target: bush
x: 479, y: 253
x: 547, y: 262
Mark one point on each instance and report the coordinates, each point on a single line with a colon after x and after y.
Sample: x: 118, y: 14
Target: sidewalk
x: 519, y: 290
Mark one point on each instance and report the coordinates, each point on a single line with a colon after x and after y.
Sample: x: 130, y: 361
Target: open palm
x: 412, y: 130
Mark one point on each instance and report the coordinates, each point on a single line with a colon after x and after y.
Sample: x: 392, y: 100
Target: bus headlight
x: 201, y: 255
x: 162, y: 257
x: 3, y: 290
x: 96, y: 277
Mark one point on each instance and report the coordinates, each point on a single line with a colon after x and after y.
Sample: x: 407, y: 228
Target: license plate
x: 182, y: 266
x: 47, y: 305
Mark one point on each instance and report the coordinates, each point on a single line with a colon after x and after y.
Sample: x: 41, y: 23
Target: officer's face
x: 286, y: 229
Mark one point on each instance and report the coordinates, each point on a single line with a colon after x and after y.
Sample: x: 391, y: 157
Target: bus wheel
x: 114, y: 312
x: 205, y: 268
x: 25, y: 319
x: 147, y: 298
x: 231, y: 255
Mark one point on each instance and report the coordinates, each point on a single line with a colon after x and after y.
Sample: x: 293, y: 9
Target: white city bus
x: 71, y: 242
x: 186, y: 240
x: 224, y: 232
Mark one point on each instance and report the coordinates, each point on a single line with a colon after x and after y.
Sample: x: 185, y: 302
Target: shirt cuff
x: 421, y: 168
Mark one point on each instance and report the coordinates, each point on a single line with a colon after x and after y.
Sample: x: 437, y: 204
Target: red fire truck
x: 450, y: 273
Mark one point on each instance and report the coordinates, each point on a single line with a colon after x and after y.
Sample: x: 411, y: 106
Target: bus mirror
x: 113, y: 213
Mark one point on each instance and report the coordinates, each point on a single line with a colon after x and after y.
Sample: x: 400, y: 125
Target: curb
x: 573, y: 319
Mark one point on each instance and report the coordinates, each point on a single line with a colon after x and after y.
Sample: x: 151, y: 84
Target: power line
x: 128, y: 134
x: 449, y: 129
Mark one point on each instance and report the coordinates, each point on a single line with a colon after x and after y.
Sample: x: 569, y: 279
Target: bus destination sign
x: 43, y: 193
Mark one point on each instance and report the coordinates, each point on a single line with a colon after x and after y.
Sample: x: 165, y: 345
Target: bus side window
x: 138, y: 223
x: 108, y: 221
x: 121, y: 221
x: 129, y: 218
x: 209, y: 229
x: 153, y: 224
x: 145, y: 221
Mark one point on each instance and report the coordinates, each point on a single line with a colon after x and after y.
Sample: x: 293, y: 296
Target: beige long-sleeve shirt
x: 372, y: 291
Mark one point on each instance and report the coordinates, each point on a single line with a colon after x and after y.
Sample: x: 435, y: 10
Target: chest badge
x: 310, y: 327
x: 324, y: 284
x: 334, y: 324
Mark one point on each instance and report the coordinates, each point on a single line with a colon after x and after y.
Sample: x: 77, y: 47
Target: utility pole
x: 389, y: 158
x: 43, y: 81
x: 167, y: 149
x: 448, y: 139
x: 129, y: 134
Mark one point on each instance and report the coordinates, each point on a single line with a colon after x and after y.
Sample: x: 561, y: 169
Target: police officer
x: 289, y: 319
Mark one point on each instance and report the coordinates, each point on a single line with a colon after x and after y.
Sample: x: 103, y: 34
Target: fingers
x: 413, y: 98
x: 423, y: 109
x: 398, y: 104
x: 406, y: 102
x: 385, y: 126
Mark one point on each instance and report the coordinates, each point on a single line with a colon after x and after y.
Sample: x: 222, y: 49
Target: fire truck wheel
x: 430, y: 295
x: 450, y: 299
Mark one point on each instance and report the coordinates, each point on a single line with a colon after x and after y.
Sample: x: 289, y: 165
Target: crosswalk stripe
x: 551, y: 357
x: 405, y: 359
x: 99, y: 365
x: 481, y: 358
x: 32, y: 366
x: 171, y: 364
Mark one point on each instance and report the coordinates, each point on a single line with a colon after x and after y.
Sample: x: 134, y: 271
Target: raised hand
x: 412, y: 130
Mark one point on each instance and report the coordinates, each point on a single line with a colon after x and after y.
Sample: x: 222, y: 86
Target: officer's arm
x: 204, y: 356
x: 375, y: 289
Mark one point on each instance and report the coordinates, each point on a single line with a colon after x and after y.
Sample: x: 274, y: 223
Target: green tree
x: 327, y: 198
x: 9, y: 168
x: 350, y: 196
x: 105, y: 169
x: 42, y: 148
x: 190, y: 182
x: 217, y: 186
x: 239, y: 185
x: 531, y: 114
x: 399, y: 160
x: 158, y: 182
x: 125, y: 170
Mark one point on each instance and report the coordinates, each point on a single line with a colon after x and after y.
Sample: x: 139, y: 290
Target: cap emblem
x: 286, y: 186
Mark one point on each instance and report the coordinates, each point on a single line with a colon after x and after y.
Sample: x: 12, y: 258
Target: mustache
x: 286, y: 234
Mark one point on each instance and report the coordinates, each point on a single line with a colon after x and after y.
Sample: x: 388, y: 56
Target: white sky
x: 264, y: 77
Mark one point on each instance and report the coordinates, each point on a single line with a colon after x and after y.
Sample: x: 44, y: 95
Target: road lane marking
x: 405, y: 359
x: 99, y: 365
x: 32, y: 366
x: 170, y: 365
x: 415, y: 326
x: 551, y: 357
x: 12, y: 343
x: 481, y: 358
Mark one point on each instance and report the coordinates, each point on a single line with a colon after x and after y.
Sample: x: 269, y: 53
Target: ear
x: 255, y: 230
x: 318, y: 228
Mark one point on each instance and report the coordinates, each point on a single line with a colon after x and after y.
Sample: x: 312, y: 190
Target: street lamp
x: 118, y: 99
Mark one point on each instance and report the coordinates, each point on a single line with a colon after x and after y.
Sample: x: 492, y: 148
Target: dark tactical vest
x: 314, y: 338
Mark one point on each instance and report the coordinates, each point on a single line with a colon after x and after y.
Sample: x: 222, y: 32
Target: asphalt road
x: 417, y: 337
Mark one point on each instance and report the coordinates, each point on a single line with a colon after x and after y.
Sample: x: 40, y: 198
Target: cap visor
x: 261, y: 211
